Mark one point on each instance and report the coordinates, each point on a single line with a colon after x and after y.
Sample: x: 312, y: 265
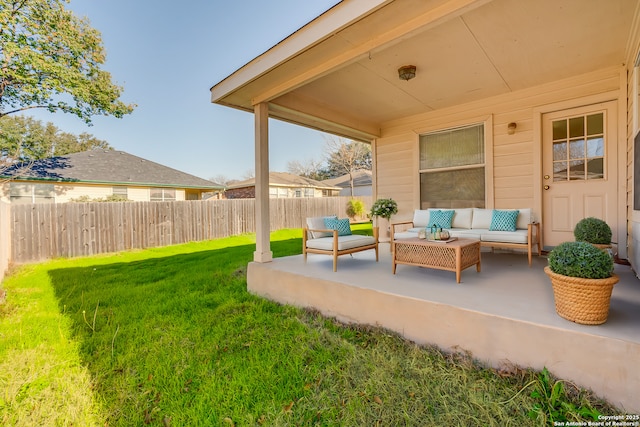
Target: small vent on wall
x: 637, y: 64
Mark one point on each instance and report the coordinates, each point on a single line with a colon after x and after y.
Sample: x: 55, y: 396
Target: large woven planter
x: 584, y: 301
x: 601, y: 246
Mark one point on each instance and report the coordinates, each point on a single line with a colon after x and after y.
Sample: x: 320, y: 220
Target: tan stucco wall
x: 513, y: 162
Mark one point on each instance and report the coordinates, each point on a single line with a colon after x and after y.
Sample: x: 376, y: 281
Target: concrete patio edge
x: 591, y: 361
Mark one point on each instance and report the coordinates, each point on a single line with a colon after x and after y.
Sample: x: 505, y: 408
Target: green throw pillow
x: 504, y: 220
x: 342, y: 225
x: 440, y: 218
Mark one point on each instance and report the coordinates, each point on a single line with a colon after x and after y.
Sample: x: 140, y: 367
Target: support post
x: 263, y: 243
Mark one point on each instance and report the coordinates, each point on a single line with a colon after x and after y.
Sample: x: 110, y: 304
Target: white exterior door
x: 579, y: 170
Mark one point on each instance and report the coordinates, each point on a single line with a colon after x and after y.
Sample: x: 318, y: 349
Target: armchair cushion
x: 342, y: 225
x: 317, y: 223
x: 344, y: 242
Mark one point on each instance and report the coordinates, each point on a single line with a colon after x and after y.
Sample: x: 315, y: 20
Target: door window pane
x: 559, y: 129
x: 559, y: 150
x: 584, y: 158
x: 576, y: 149
x: 595, y: 123
x: 576, y: 127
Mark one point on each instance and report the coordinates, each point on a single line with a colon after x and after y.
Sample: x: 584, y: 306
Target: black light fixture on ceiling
x: 407, y: 72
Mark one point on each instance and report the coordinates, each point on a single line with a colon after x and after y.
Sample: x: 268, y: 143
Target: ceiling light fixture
x: 407, y: 72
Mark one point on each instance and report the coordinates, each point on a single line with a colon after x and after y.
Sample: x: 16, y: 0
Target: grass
x: 170, y: 337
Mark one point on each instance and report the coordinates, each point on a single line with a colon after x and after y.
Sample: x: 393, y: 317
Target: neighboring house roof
x: 361, y: 178
x: 284, y: 179
x: 107, y: 167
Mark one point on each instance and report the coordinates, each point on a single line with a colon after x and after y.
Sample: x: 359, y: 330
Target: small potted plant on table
x: 583, y: 279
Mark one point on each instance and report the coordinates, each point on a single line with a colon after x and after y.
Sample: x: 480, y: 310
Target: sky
x: 167, y: 55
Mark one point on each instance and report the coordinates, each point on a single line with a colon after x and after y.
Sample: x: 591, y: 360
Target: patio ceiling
x: 339, y: 73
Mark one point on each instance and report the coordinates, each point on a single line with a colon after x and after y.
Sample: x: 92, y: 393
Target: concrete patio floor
x: 503, y: 315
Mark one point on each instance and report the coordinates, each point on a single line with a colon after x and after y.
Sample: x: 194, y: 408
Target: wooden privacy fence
x: 44, y: 231
x: 5, y: 238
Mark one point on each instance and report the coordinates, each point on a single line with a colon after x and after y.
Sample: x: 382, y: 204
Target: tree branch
x: 25, y: 109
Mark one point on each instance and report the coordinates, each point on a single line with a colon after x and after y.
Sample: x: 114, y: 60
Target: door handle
x: 546, y: 187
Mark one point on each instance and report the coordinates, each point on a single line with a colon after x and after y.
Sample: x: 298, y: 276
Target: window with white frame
x: 162, y: 194
x: 20, y: 192
x: 452, y: 168
x: 120, y: 190
x: 309, y: 192
x: 278, y: 192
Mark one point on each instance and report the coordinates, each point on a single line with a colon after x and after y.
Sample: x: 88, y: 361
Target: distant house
x: 362, y: 183
x: 282, y: 185
x: 98, y: 174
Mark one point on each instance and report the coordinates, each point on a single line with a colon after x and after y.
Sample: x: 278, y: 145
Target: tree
x: 24, y: 139
x: 49, y: 58
x: 221, y: 179
x: 310, y: 169
x: 346, y: 157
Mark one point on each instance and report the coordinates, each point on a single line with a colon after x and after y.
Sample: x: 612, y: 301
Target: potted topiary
x: 593, y: 230
x: 582, y: 277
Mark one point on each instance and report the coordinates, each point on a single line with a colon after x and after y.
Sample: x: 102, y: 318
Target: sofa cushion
x: 462, y: 218
x: 524, y: 219
x: 317, y: 223
x: 503, y: 220
x: 481, y: 218
x: 344, y: 242
x: 342, y: 225
x: 420, y: 218
x: 518, y: 236
x: 416, y: 229
x: 465, y: 233
x: 406, y: 234
x: 440, y: 218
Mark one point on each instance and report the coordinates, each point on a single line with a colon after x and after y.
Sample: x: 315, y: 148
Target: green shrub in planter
x: 580, y: 259
x: 593, y: 230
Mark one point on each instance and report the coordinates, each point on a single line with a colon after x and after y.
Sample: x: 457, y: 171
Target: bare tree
x: 221, y: 179
x: 311, y: 168
x: 345, y: 156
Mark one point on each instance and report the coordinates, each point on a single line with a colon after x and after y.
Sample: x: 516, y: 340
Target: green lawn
x: 170, y: 337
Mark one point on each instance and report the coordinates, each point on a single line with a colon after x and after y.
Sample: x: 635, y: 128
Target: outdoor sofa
x: 495, y: 228
x: 332, y: 236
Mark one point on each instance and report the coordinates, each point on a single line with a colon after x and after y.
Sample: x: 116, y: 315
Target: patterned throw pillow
x: 342, y: 225
x: 440, y: 218
x: 504, y: 220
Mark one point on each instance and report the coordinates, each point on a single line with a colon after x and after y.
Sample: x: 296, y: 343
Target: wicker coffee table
x: 452, y: 256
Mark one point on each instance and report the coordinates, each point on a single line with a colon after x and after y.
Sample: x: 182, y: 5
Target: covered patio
x: 503, y: 315
x: 511, y: 72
